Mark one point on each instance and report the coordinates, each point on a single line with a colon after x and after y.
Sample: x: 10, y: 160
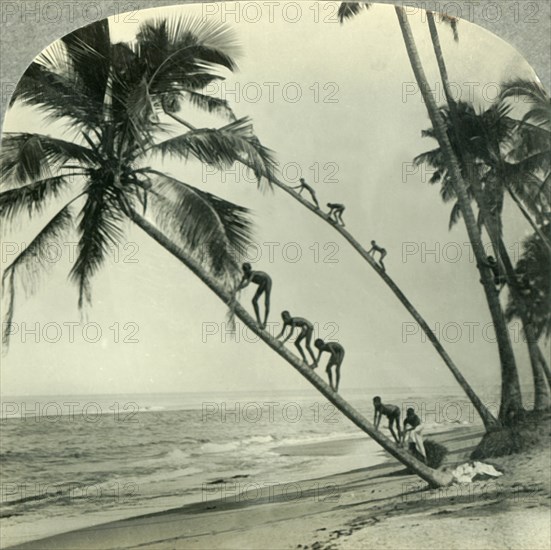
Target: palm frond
x: 453, y: 22
x: 215, y: 228
x: 223, y: 147
x: 99, y: 227
x: 433, y: 158
x: 532, y: 95
x: 32, y: 197
x: 32, y: 262
x: 52, y: 84
x: 348, y: 10
x: 455, y: 215
x: 526, y: 88
x: 533, y: 272
x: 88, y: 49
x: 28, y: 157
x: 184, y: 53
x: 210, y: 104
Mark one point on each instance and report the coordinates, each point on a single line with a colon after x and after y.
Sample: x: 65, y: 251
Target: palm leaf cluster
x: 533, y: 271
x: 108, y: 102
x: 503, y: 156
x: 485, y: 143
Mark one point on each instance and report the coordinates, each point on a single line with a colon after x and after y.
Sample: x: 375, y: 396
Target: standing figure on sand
x: 382, y: 253
x: 392, y: 412
x: 306, y: 332
x: 335, y: 212
x: 335, y: 360
x: 264, y: 282
x: 303, y: 185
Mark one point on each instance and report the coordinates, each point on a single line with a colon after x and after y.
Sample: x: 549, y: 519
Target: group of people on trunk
x: 335, y: 213
x: 412, y: 424
x: 305, y: 327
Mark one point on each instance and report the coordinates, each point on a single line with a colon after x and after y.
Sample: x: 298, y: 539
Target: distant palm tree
x: 479, y: 141
x: 532, y: 144
x: 533, y: 270
x: 112, y: 96
x: 511, y: 397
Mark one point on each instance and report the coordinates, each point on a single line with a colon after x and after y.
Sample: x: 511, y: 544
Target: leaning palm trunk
x: 487, y: 418
x: 433, y: 477
x: 542, y: 400
x: 511, y: 398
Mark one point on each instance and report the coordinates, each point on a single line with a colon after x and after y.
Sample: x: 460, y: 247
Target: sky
x: 339, y: 106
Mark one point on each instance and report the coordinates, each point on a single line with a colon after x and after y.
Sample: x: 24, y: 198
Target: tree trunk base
x: 516, y: 438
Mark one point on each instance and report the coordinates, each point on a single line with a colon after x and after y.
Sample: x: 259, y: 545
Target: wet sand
x: 380, y: 506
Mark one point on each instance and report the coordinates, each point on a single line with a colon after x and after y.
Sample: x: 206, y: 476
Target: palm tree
x: 511, y: 397
x: 532, y: 144
x: 533, y: 270
x: 478, y: 142
x: 514, y: 178
x: 112, y: 97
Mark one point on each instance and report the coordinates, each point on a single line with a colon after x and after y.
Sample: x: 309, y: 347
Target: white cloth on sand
x: 465, y: 473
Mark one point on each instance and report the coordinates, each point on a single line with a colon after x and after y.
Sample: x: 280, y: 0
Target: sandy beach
x: 379, y: 506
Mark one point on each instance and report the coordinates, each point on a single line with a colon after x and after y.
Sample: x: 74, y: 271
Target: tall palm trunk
x: 542, y: 399
x: 433, y: 477
x: 511, y: 398
x: 487, y: 418
x: 544, y: 366
x: 442, y: 68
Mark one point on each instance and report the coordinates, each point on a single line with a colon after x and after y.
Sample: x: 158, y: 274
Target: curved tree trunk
x: 487, y: 418
x: 542, y: 399
x: 433, y: 477
x: 511, y: 398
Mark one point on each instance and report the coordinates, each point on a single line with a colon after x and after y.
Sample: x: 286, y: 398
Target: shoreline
x: 380, y: 505
x: 297, y: 514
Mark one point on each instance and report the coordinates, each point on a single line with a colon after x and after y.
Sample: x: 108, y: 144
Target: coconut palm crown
x: 109, y: 102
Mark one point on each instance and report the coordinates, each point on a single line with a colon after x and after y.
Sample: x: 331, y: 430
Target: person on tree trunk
x: 303, y: 185
x: 382, y: 253
x: 306, y: 331
x: 335, y: 212
x: 499, y: 278
x: 413, y: 428
x: 264, y: 282
x: 335, y: 360
x: 392, y: 412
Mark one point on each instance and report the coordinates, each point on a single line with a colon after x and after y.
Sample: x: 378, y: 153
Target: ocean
x: 74, y: 461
